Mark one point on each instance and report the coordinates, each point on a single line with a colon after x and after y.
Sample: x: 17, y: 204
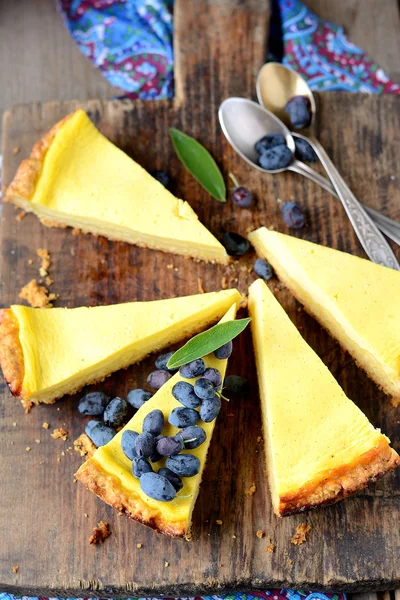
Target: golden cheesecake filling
x: 64, y: 349
x: 112, y: 460
x: 355, y: 299
x: 88, y: 183
x: 311, y: 427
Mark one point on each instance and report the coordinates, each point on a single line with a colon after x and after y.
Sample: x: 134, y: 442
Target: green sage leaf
x: 208, y: 341
x: 199, y: 162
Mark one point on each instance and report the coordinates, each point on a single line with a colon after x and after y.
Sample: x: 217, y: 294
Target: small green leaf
x: 206, y: 342
x: 199, y: 162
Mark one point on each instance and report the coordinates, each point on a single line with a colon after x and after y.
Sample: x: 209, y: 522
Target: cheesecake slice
x: 356, y: 300
x: 108, y: 473
x: 76, y: 177
x: 319, y: 446
x: 48, y: 352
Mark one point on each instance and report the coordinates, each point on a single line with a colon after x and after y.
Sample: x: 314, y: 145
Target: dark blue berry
x: 128, y: 442
x: 193, y: 369
x: 236, y: 384
x: 235, y: 244
x: 156, y: 456
x: 203, y: 388
x: 115, y: 412
x: 100, y: 434
x: 292, y: 215
x: 140, y: 466
x: 172, y: 478
x: 269, y: 141
x: 183, y: 391
x: 157, y: 487
x: 210, y: 408
x: 184, y: 465
x: 304, y: 151
x: 90, y: 424
x: 183, y: 417
x: 145, y: 444
x: 214, y: 376
x: 192, y: 436
x: 137, y: 398
x: 278, y: 157
x: 156, y: 379
x: 169, y: 446
x: 153, y: 422
x: 224, y: 351
x: 299, y: 110
x: 161, y: 176
x: 93, y: 404
x: 161, y: 362
x: 241, y: 196
x: 263, y: 269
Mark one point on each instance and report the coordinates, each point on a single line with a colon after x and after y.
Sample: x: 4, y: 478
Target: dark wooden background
x: 353, y: 545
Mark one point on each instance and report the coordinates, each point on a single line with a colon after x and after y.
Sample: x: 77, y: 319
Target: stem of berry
x: 235, y: 181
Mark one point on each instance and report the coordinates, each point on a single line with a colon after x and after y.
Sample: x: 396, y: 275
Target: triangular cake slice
x: 356, y: 300
x: 76, y: 177
x: 48, y: 352
x: 109, y: 472
x: 320, y: 447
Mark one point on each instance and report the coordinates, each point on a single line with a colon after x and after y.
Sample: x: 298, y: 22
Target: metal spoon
x: 276, y: 84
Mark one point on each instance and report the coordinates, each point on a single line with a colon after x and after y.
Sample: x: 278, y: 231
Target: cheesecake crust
x: 336, y: 484
x: 109, y: 489
x: 22, y: 188
x: 11, y: 355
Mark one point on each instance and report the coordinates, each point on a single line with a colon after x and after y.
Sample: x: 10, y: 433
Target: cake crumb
x: 200, y: 285
x: 259, y: 439
x: 300, y: 536
x: 14, y: 424
x: 37, y: 295
x: 85, y: 515
x: 37, y: 441
x: 252, y: 490
x: 30, y: 261
x: 166, y: 563
x: 218, y: 522
x: 260, y: 534
x: 43, y: 253
x: 244, y: 301
x: 270, y: 547
x: 138, y: 546
x: 84, y: 446
x: 45, y: 425
x: 16, y: 150
x: 224, y: 283
x: 60, y: 434
x: 100, y: 533
x: 48, y: 281
x: 28, y: 448
x: 170, y: 266
x: 234, y: 537
x: 15, y: 568
x: 20, y: 215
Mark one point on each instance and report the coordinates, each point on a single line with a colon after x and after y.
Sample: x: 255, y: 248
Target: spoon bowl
x: 276, y: 85
x: 244, y: 122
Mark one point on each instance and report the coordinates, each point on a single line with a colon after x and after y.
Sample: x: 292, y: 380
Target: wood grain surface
x: 353, y: 545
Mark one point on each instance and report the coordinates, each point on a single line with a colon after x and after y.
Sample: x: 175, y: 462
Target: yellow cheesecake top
x: 59, y: 344
x: 113, y: 461
x: 85, y: 176
x: 361, y: 296
x: 312, y: 427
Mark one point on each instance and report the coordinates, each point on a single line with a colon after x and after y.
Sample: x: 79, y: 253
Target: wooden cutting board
x: 45, y: 517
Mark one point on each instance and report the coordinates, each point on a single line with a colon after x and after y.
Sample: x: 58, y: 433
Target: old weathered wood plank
x: 353, y: 545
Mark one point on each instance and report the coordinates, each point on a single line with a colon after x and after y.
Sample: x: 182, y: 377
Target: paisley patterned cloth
x: 268, y: 595
x: 323, y: 55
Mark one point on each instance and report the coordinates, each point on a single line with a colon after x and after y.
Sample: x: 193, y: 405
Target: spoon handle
x: 388, y: 226
x: 373, y: 242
